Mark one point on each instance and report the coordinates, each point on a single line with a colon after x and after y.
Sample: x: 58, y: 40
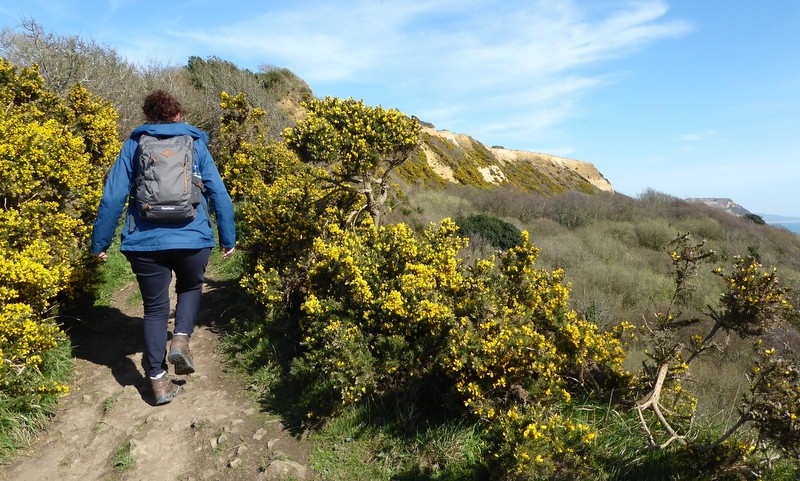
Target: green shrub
x: 564, y: 250
x: 701, y: 227
x: 500, y: 234
x: 654, y: 234
x: 624, y: 232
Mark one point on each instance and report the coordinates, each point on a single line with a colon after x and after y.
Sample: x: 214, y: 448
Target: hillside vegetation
x: 430, y: 308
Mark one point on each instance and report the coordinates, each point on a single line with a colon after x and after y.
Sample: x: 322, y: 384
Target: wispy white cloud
x: 515, y: 67
x: 486, y: 67
x: 697, y: 137
x: 693, y: 142
x: 517, y: 38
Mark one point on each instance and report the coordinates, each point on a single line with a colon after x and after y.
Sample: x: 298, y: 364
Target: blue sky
x: 691, y: 98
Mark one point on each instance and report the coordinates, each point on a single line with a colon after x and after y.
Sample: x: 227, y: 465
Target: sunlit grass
x: 23, y: 417
x: 351, y: 446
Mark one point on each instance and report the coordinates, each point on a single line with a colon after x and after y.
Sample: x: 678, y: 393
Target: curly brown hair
x: 161, y: 106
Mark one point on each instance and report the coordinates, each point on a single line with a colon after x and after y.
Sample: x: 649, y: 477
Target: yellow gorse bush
x: 753, y: 302
x: 383, y: 312
x: 24, y: 339
x: 351, y: 137
x: 356, y: 147
x: 390, y: 313
x: 773, y: 401
x: 386, y: 315
x: 281, y: 203
x: 53, y: 153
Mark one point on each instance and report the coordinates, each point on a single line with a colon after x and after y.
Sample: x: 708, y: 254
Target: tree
x: 64, y: 61
x: 276, y: 92
x: 755, y: 218
x: 358, y: 146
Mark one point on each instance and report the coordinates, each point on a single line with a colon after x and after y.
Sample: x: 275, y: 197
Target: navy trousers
x: 154, y: 273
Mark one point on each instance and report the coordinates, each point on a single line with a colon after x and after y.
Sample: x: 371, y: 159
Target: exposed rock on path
x: 107, y: 428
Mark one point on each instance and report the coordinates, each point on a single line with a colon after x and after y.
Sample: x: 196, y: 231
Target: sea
x: 792, y: 225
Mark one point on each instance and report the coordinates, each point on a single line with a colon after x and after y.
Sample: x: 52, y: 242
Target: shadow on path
x: 108, y: 336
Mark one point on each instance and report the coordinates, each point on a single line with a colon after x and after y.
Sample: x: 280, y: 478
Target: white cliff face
x: 722, y: 203
x: 586, y: 170
x: 495, y: 174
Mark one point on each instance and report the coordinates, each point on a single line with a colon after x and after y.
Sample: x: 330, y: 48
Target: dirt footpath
x: 107, y: 428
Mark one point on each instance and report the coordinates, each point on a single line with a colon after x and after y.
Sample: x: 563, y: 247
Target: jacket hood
x: 170, y: 129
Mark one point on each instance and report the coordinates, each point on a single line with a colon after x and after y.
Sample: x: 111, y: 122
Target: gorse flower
x: 53, y: 153
x: 385, y: 307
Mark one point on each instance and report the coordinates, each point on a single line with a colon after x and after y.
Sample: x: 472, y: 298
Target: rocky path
x: 107, y: 428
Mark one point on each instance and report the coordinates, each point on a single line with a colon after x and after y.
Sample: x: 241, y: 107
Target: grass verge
x: 23, y: 417
x: 351, y: 446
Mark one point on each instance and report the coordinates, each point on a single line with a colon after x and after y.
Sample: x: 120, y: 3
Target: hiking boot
x: 164, y: 389
x: 179, y: 354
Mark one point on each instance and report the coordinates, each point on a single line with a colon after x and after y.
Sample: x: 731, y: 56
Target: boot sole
x: 182, y: 363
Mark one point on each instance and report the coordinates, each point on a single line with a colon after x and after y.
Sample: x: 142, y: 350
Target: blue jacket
x: 139, y: 235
